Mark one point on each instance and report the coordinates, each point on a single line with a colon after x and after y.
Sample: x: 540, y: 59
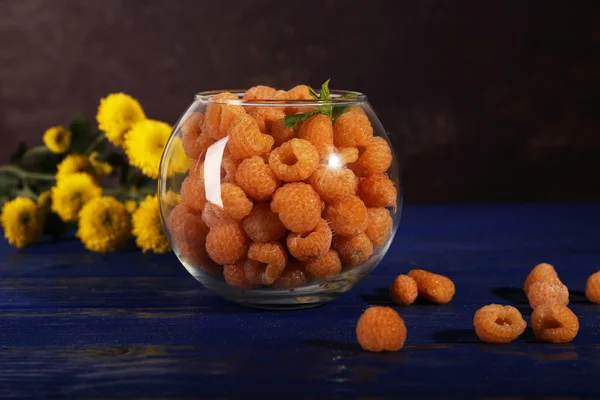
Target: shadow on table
x: 455, y: 336
x: 334, y: 345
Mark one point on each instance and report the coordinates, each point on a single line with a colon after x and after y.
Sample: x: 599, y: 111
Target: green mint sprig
x: 333, y: 112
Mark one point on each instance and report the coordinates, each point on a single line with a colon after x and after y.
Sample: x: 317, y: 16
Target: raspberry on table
x: 554, y: 323
x: 246, y: 139
x: 496, y: 323
x: 378, y: 191
x: 381, y: 329
x: 235, y: 276
x: 347, y: 216
x: 235, y: 202
x: 318, y: 130
x: 379, y: 226
x: 195, y: 143
x: 214, y: 215
x: 329, y: 264
x: 353, y: 250
x: 541, y: 272
x: 263, y: 225
x: 404, y: 290
x: 375, y: 158
x: 226, y: 244
x: 298, y: 206
x: 266, y: 262
x: 293, y: 276
x: 282, y: 134
x: 266, y: 116
x: 259, y: 92
x: 306, y: 246
x: 433, y: 287
x: 256, y: 178
x: 592, y: 288
x: 192, y: 193
x: 546, y: 292
x: 333, y: 184
x: 188, y: 235
x: 352, y: 129
x: 295, y: 160
x: 219, y: 115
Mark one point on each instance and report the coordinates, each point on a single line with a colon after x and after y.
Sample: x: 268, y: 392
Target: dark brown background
x: 486, y: 100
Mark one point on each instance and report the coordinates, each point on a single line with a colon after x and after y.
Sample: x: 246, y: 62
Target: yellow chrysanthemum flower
x: 147, y: 227
x: 72, y: 193
x: 72, y: 164
x: 100, y: 168
x: 22, y: 221
x: 179, y: 161
x: 117, y: 113
x: 171, y: 199
x: 45, y: 200
x: 57, y: 139
x: 144, y: 145
x: 104, y: 224
x: 131, y: 206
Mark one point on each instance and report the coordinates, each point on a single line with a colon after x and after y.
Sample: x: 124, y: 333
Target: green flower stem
x: 21, y: 173
x: 94, y: 144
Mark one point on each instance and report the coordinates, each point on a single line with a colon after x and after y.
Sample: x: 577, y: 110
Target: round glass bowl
x: 288, y: 201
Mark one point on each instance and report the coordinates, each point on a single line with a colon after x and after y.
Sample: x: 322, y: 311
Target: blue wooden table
x: 79, y: 325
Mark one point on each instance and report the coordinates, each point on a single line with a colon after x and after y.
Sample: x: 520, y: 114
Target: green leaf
x: 293, y: 119
x: 338, y: 111
x: 348, y: 96
x: 18, y: 153
x: 325, y: 94
x: 82, y: 133
x: 40, y: 159
x: 313, y: 94
x: 326, y: 110
x: 8, y: 185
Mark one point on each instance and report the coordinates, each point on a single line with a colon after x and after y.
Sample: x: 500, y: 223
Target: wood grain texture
x: 486, y: 101
x: 129, y: 325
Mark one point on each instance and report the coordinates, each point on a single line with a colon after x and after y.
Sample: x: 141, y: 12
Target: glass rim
x: 336, y: 100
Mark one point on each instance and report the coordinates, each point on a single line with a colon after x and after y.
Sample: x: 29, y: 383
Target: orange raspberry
x: 293, y: 276
x: 282, y: 134
x: 259, y: 92
x: 214, y: 215
x: 381, y: 329
x: 266, y: 262
x: 378, y: 191
x: 256, y: 178
x: 266, y: 116
x: 229, y: 167
x: 246, y: 139
x: 404, y: 290
x: 226, y: 244
x: 263, y: 225
x: 541, y: 272
x: 554, y: 323
x: 298, y: 206
x: 219, y: 115
x: 235, y: 276
x: 379, y: 226
x: 306, y: 246
x: 197, y: 169
x: 353, y: 250
x: 333, y: 184
x: 433, y: 287
x: 375, y: 158
x: 352, y: 129
x: 592, y: 288
x: 318, y: 130
x: 195, y: 143
x: 329, y: 264
x: 498, y: 324
x: 347, y: 216
x: 281, y: 95
x: 295, y: 160
x: 235, y: 202
x: 300, y: 92
x: 544, y: 292
x: 193, y: 194
x: 188, y: 235
x: 357, y: 109
x: 348, y: 155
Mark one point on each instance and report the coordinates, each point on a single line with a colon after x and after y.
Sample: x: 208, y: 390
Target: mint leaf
x: 325, y: 94
x: 293, y: 119
x: 313, y: 94
x: 348, y: 96
x: 338, y: 111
